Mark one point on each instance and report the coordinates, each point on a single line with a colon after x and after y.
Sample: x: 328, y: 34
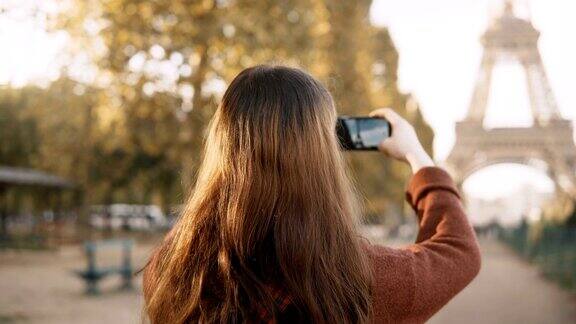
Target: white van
x: 129, y: 217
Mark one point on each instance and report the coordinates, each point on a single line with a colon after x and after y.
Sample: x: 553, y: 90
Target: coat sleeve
x: 445, y: 257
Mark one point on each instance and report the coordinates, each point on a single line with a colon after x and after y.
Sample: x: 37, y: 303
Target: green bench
x: 93, y: 273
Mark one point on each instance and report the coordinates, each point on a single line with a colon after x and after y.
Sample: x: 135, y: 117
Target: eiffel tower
x: 549, y: 142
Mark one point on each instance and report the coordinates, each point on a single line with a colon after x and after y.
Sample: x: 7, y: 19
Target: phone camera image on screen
x: 362, y: 133
x: 372, y: 132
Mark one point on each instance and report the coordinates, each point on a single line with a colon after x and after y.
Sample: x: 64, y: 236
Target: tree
x: 363, y: 64
x: 128, y: 125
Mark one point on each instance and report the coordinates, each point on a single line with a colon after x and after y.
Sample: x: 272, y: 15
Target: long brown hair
x: 272, y: 209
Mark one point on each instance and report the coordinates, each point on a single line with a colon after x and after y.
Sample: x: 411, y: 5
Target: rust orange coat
x: 411, y: 284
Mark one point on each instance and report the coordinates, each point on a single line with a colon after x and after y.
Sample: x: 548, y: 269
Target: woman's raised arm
x: 445, y: 256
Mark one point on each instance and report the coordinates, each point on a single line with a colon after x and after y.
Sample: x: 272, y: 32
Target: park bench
x: 94, y: 272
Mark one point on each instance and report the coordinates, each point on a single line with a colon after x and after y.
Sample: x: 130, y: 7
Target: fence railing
x: 552, y: 249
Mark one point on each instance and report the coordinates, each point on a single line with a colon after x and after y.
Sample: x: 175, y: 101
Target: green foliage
x: 133, y: 131
x: 18, y: 138
x: 553, y: 250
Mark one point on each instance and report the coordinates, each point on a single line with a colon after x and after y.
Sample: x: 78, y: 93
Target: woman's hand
x: 403, y: 145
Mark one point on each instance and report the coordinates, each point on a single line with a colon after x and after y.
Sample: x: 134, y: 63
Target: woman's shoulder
x: 381, y: 251
x: 387, y: 261
x: 393, y: 284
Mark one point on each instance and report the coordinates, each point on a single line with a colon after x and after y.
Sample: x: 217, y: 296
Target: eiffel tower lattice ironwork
x: 549, y: 140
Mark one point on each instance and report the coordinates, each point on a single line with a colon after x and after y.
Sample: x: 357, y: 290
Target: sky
x: 27, y: 52
x: 440, y: 53
x: 438, y: 43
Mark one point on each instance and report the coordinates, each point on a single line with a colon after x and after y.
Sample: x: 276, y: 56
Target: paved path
x: 40, y: 288
x: 508, y: 290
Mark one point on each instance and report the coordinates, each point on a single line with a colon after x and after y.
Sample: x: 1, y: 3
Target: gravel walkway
x: 39, y: 287
x: 508, y: 290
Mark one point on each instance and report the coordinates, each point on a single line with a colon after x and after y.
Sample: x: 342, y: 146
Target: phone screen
x: 372, y: 131
x: 362, y: 133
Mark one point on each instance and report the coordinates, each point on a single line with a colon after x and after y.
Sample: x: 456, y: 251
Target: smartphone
x: 362, y: 133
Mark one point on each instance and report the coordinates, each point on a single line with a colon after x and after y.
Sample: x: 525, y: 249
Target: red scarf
x: 281, y: 299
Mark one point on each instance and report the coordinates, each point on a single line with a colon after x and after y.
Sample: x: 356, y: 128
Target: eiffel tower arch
x: 549, y: 140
